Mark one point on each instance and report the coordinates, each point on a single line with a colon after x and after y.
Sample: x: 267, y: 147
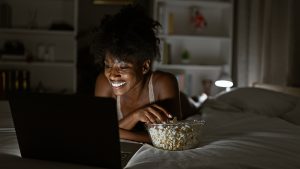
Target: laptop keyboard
x: 125, y: 156
x: 127, y: 151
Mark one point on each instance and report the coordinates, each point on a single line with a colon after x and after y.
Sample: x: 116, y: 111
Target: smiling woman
x: 126, y: 44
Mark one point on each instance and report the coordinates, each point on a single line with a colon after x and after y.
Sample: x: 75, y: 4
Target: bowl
x: 176, y: 136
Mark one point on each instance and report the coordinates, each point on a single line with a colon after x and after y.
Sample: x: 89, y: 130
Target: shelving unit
x: 43, y: 23
x: 209, y: 48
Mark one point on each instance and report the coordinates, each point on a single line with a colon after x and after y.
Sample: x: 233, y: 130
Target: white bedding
x: 234, y: 137
x: 238, y: 135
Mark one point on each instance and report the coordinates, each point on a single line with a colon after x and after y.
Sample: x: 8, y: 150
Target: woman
x: 127, y: 45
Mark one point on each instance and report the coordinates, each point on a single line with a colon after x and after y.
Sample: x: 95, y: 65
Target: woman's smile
x: 123, y: 76
x: 117, y: 84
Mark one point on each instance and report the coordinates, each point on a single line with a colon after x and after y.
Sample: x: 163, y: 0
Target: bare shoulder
x: 102, y: 86
x: 160, y: 77
x: 165, y: 84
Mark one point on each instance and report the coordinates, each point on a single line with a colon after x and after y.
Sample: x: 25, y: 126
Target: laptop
x: 70, y: 128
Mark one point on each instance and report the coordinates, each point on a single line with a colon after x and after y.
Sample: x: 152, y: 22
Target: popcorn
x: 176, y: 135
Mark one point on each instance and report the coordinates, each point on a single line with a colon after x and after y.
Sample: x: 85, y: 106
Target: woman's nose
x: 114, y: 73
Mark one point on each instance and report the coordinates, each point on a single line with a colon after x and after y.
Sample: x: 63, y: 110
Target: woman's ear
x: 146, y: 66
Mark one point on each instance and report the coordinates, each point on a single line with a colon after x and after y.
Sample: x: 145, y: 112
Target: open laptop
x: 70, y: 128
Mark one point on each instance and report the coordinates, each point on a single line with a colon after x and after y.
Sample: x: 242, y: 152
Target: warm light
x: 224, y: 83
x: 224, y: 80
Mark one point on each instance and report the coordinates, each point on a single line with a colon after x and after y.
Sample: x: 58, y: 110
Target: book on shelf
x: 161, y: 18
x: 170, y: 24
x: 14, y: 57
x: 165, y: 48
x: 14, y: 81
x: 166, y: 19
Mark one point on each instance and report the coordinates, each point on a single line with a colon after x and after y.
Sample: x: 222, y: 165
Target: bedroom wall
x: 294, y: 77
x: 264, y: 42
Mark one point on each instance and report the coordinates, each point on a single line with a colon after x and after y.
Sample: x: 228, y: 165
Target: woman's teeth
x: 117, y: 84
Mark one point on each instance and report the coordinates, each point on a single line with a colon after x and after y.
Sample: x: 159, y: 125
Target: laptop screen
x: 67, y: 128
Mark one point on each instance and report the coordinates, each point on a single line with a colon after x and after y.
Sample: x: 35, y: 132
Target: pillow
x: 218, y: 105
x: 293, y: 116
x: 259, y: 101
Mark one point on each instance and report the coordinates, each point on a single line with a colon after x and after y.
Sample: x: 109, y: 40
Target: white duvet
x: 237, y: 135
x: 245, y: 129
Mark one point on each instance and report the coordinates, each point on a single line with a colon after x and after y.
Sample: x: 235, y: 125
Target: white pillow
x: 293, y: 116
x: 259, y: 101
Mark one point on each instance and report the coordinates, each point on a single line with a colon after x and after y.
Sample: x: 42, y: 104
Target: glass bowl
x: 176, y: 136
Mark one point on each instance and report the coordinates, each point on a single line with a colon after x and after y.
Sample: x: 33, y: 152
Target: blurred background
x: 44, y: 44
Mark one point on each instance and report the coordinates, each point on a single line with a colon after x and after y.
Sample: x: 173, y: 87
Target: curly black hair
x: 130, y: 36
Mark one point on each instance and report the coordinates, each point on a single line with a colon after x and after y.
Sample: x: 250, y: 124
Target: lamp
x: 224, y: 81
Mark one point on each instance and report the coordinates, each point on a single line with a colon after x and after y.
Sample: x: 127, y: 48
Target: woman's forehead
x: 119, y: 59
x: 115, y: 60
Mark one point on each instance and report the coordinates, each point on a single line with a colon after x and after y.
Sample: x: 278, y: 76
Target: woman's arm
x: 149, y: 114
x: 166, y: 88
x: 134, y: 136
x: 167, y: 103
x: 172, y: 99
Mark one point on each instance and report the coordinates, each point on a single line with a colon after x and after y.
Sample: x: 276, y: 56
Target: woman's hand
x: 134, y: 136
x: 149, y: 114
x: 152, y: 114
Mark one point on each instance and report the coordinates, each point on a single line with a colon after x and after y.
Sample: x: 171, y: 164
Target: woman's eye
x: 123, y: 67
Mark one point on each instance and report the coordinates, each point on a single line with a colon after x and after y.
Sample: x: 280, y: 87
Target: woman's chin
x: 118, y: 92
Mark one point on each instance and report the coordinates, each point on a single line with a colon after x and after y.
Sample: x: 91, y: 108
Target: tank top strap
x: 120, y: 115
x: 151, y: 91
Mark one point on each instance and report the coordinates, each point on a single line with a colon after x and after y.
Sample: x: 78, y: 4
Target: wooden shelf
x: 203, y: 3
x: 36, y: 63
x: 209, y: 49
x: 43, y: 28
x: 188, y: 66
x: 195, y: 36
x: 38, y: 31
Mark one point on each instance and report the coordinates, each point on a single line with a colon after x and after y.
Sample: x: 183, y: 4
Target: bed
x: 246, y: 128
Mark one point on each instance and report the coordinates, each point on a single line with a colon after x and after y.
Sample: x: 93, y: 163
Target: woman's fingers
x: 153, y: 114
x: 162, y: 110
x: 150, y: 118
x: 157, y: 114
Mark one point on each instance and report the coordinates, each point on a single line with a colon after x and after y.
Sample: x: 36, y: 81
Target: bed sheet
x: 234, y: 137
x: 242, y: 141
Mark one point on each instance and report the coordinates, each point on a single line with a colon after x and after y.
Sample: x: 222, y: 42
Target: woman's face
x: 122, y: 76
